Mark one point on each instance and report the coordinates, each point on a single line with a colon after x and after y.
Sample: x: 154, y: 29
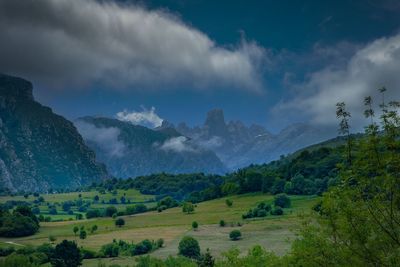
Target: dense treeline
x: 306, y: 173
x: 20, y: 222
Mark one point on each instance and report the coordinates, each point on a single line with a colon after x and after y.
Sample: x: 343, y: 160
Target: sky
x: 268, y: 62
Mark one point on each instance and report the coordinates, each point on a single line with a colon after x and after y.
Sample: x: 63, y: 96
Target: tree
x: 119, y: 222
x: 82, y: 234
x: 66, y: 254
x: 93, y: 229
x: 358, y: 220
x: 52, y: 238
x: 188, y: 207
x: 110, y: 211
x: 75, y: 229
x: 195, y: 225
x: 189, y: 247
x: 235, y: 235
x: 229, y: 202
x: 282, y: 200
x: 206, y: 260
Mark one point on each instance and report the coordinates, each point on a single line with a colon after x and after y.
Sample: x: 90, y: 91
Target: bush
x: 6, y: 251
x: 195, y: 225
x: 189, y: 247
x: 82, y: 234
x: 160, y: 243
x: 119, y: 222
x: 222, y: 223
x: 188, y: 207
x: 277, y: 211
x: 93, y: 214
x: 282, y: 200
x: 235, y: 235
x: 110, y: 211
x: 229, y: 202
x: 66, y: 253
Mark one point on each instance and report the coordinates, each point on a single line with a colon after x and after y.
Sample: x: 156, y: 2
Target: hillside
x: 40, y: 150
x: 131, y: 150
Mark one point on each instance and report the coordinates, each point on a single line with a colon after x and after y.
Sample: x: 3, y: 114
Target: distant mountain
x: 40, y: 150
x: 238, y: 145
x: 131, y: 150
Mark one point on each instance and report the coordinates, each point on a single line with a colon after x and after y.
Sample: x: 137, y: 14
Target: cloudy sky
x: 266, y: 62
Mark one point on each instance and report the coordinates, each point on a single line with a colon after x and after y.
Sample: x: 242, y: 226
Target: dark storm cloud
x: 81, y: 42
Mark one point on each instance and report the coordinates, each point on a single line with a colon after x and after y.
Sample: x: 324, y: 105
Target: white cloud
x: 145, y: 117
x: 177, y: 144
x: 375, y: 65
x: 81, y: 42
x: 106, y: 138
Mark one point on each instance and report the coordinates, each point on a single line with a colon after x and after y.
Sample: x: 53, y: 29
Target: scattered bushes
x: 121, y: 247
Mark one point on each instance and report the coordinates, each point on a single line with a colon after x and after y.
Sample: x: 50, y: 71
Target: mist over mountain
x: 131, y: 150
x: 40, y: 150
x: 238, y: 145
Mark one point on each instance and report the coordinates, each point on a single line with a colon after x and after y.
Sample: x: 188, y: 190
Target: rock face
x: 131, y: 150
x: 238, y: 145
x: 40, y: 150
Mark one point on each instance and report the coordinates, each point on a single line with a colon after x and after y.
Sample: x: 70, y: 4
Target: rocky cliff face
x: 131, y: 150
x: 238, y: 145
x: 40, y: 150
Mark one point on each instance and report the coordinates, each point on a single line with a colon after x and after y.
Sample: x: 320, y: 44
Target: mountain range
x: 40, y: 150
x: 131, y: 150
x: 238, y: 145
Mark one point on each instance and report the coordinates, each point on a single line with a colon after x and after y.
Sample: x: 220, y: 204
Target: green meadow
x: 273, y: 232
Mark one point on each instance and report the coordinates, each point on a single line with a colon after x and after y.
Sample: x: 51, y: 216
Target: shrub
x: 66, y: 253
x: 6, y: 251
x: 229, y: 202
x: 93, y: 214
x: 261, y: 213
x: 82, y: 234
x: 222, y: 223
x: 282, y: 200
x: 160, y: 243
x: 119, y: 222
x: 188, y: 207
x: 235, y: 235
x: 195, y: 225
x: 189, y: 247
x: 277, y: 211
x: 110, y: 211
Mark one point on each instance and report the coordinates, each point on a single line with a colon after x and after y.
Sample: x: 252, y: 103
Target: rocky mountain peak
x: 215, y: 123
x: 16, y: 88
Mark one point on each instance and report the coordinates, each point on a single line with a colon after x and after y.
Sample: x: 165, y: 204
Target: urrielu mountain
x: 131, y: 150
x: 238, y: 145
x: 40, y: 150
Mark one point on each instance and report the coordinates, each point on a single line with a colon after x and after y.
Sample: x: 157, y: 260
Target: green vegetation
x: 189, y: 247
x: 21, y: 222
x: 195, y: 225
x: 66, y: 254
x: 235, y: 235
x: 188, y: 207
x: 119, y: 222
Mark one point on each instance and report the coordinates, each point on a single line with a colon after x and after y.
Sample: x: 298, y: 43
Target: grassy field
x: 132, y: 197
x: 272, y: 232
